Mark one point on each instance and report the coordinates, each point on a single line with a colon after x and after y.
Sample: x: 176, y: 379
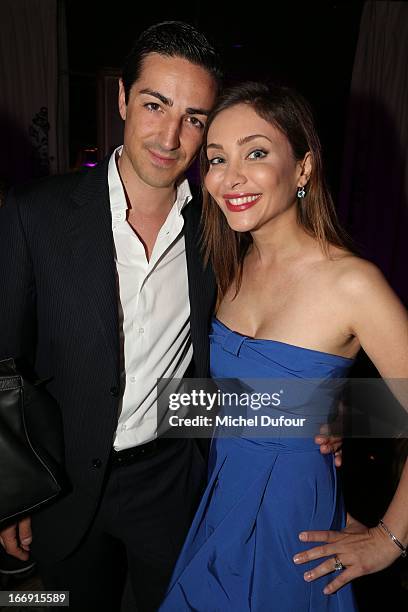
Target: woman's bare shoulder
x: 355, y: 275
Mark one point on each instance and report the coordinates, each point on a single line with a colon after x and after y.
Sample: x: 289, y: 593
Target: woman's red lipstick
x: 237, y: 202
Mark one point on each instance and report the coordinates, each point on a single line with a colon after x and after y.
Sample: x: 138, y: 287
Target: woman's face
x: 253, y: 175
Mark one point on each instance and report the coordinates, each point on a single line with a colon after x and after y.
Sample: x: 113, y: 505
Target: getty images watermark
x: 227, y: 407
x: 219, y: 400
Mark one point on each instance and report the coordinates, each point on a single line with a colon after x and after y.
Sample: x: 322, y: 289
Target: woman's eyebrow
x: 245, y: 139
x: 240, y: 141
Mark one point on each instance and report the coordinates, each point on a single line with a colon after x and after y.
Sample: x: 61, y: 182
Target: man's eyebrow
x: 212, y: 145
x: 158, y: 95
x: 169, y: 102
x: 197, y: 111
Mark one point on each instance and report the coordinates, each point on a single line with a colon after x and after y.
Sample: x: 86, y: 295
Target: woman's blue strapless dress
x: 261, y: 493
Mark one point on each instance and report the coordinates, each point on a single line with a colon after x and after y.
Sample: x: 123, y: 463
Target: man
x: 104, y: 292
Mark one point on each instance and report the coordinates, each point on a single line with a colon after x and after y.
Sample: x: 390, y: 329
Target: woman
x: 294, y: 303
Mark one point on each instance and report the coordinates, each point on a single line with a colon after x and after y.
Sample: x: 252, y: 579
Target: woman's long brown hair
x: 290, y: 113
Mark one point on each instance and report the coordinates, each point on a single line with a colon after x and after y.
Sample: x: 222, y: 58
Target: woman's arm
x: 380, y: 321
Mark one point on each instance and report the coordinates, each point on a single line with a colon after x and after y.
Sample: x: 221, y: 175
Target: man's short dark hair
x: 171, y: 39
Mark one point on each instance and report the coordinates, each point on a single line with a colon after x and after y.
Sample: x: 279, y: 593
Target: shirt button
x: 133, y: 379
x: 123, y: 428
x: 141, y: 330
x: 96, y: 463
x: 114, y: 391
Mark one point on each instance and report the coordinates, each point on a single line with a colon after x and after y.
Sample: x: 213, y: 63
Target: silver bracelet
x: 402, y: 548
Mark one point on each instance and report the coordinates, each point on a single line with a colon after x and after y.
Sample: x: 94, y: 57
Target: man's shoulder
x: 48, y: 187
x: 60, y: 190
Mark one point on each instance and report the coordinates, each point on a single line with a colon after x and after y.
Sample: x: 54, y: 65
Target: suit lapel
x: 92, y: 246
x: 201, y: 285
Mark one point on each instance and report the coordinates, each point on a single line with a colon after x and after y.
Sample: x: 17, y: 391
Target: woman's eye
x: 257, y: 154
x: 214, y: 161
x: 152, y: 106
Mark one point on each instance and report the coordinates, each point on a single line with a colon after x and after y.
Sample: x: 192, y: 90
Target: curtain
x: 33, y: 89
x: 374, y: 188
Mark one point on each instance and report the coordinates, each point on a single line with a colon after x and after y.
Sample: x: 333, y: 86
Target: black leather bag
x: 31, y: 444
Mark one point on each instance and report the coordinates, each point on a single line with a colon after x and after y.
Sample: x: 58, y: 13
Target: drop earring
x: 301, y: 192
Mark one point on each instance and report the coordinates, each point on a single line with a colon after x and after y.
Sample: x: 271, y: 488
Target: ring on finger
x: 338, y: 564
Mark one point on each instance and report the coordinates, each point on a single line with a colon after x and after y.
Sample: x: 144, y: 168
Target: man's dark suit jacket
x: 59, y: 310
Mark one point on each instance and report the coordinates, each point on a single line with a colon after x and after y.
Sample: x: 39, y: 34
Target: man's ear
x: 122, y: 100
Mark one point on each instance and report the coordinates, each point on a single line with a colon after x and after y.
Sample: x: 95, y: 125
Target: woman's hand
x: 359, y: 549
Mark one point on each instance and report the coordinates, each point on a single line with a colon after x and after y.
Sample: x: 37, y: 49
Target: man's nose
x: 170, y: 135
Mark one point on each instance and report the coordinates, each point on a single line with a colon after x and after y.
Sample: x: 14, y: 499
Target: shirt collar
x: 117, y: 194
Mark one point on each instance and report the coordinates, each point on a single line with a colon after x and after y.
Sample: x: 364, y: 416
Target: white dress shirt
x: 154, y: 312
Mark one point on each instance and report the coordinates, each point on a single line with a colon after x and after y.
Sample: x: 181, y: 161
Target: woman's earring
x: 301, y: 192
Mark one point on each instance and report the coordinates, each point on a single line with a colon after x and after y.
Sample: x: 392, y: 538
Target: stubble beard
x: 156, y: 177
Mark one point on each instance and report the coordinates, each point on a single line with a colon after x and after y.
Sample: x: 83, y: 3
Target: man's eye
x: 196, y: 122
x: 257, y: 154
x: 215, y: 161
x: 152, y: 106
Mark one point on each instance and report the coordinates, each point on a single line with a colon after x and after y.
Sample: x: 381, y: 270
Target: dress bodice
x: 236, y: 355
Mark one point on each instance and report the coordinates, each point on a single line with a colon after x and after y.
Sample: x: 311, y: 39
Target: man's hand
x: 16, y: 539
x: 330, y: 444
x: 357, y: 549
x: 330, y: 438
